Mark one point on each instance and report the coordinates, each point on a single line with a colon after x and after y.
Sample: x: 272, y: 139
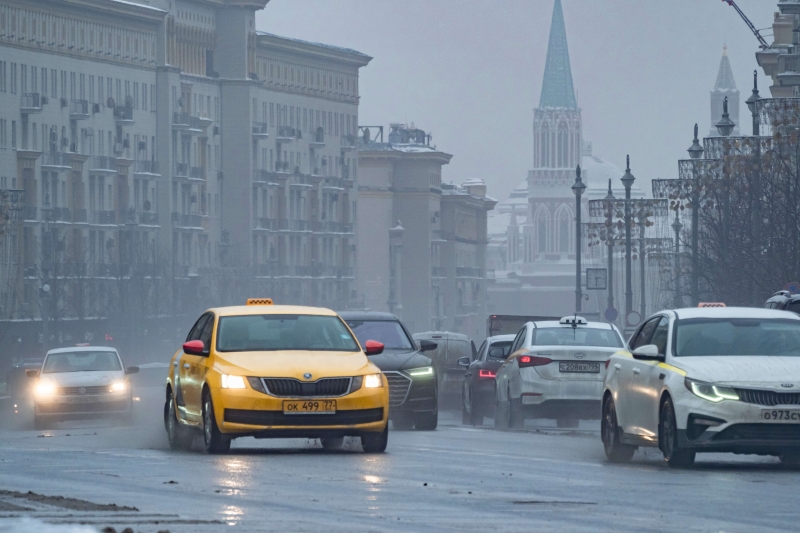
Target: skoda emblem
x: 787, y: 385
x: 580, y: 356
x: 82, y: 390
x: 307, y: 375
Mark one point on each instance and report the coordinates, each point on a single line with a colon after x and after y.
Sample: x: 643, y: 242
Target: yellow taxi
x: 266, y: 371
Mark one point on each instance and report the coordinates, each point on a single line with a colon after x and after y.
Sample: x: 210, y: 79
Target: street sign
x: 634, y: 318
x: 596, y: 279
x: 611, y: 314
x: 793, y: 287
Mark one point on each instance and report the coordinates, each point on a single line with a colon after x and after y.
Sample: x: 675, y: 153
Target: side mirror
x: 463, y: 361
x: 427, y: 346
x: 373, y: 348
x: 648, y: 352
x: 132, y: 370
x: 194, y: 347
x: 497, y: 353
x: 32, y: 373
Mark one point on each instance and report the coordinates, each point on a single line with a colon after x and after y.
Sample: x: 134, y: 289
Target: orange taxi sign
x: 711, y: 304
x: 259, y: 301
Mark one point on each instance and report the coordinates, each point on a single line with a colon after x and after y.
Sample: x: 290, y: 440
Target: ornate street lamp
x: 725, y: 125
x: 695, y: 150
x: 677, y: 226
x: 627, y: 182
x: 578, y: 188
x: 751, y: 104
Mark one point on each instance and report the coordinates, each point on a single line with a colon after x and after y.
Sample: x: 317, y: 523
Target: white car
x: 706, y: 380
x: 555, y: 371
x: 81, y: 382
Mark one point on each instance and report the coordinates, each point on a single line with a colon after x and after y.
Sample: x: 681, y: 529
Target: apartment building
x: 170, y: 140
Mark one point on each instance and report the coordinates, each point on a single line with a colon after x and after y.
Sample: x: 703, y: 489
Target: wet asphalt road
x: 453, y: 479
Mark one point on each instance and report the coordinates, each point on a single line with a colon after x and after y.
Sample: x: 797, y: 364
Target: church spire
x: 725, y: 80
x: 557, y: 89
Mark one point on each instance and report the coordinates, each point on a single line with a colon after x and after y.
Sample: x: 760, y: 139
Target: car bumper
x: 64, y: 407
x: 535, y: 390
x: 251, y: 413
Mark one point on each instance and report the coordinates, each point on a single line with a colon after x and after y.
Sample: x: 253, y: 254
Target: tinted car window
x: 284, y: 332
x: 644, y: 334
x: 100, y: 361
x: 197, y: 329
x: 794, y: 306
x: 498, y: 350
x: 737, y: 336
x: 568, y: 336
x: 660, y: 336
x: 388, y: 332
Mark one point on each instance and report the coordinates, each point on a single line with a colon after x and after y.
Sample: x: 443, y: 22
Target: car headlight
x: 119, y: 386
x: 45, y: 389
x: 232, y: 382
x: 373, y: 381
x: 712, y: 393
x: 421, y: 372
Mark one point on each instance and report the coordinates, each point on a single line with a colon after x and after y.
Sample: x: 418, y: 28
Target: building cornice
x: 267, y: 41
x: 112, y: 7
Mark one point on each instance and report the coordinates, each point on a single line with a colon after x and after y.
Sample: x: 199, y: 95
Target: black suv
x: 784, y: 300
x: 413, y: 389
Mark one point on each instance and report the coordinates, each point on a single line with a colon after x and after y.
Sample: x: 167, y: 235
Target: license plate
x: 318, y: 407
x: 781, y: 415
x: 81, y: 400
x: 582, y: 368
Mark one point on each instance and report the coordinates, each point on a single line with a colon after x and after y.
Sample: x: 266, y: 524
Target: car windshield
x: 499, y: 349
x: 388, y: 332
x: 580, y: 336
x: 284, y: 332
x: 99, y: 361
x: 737, y: 336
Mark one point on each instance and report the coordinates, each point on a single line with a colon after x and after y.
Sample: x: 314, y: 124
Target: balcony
x: 123, y: 115
x: 287, y: 134
x: 260, y: 130
x: 104, y: 218
x: 188, y: 123
x: 179, y: 220
x: 29, y: 213
x: 79, y: 110
x: 319, y: 139
x: 61, y: 214
x: 54, y: 162
x: 469, y: 272
x: 31, y: 103
x: 282, y: 166
x: 102, y: 165
x: 148, y: 219
x: 197, y: 174
x: 266, y: 223
x: 80, y: 216
x: 335, y: 227
x: 146, y: 169
x: 299, y: 225
x: 263, y: 176
x: 348, y: 143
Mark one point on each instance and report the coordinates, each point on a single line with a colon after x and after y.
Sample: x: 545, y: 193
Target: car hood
x: 751, y: 371
x: 400, y: 360
x: 293, y: 364
x: 84, y: 379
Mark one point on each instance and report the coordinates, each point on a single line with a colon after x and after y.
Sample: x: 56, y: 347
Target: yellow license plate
x: 319, y: 407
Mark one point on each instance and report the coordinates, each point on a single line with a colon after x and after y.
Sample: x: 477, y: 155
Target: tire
x: 427, y: 421
x: 516, y: 417
x: 180, y: 437
x: 568, y: 423
x: 403, y: 422
x: 375, y: 442
x: 332, y: 443
x: 213, y: 439
x: 616, y: 452
x: 668, y: 439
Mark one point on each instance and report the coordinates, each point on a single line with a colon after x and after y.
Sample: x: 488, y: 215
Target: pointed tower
x: 725, y: 86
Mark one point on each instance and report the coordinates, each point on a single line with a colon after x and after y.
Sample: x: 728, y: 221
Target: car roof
x: 239, y: 310
x: 73, y: 349
x: 446, y: 335
x: 589, y: 325
x: 368, y: 315
x: 733, y: 312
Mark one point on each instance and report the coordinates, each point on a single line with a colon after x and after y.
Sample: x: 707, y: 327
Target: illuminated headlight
x: 421, y: 372
x: 373, y: 381
x: 232, y: 382
x: 712, y: 393
x: 119, y: 386
x: 45, y: 389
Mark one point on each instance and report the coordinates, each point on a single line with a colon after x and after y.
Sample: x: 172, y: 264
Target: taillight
x: 532, y: 360
x: 486, y: 374
x: 608, y: 362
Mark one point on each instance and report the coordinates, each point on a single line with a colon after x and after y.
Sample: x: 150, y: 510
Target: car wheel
x: 332, y: 443
x: 375, y: 442
x: 568, y: 423
x: 427, y: 421
x: 668, y: 439
x: 214, y: 440
x: 616, y: 452
x: 516, y: 417
x: 403, y: 421
x: 180, y: 437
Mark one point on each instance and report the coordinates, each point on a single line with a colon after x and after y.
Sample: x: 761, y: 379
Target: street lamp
x: 578, y: 187
x: 609, y: 205
x: 627, y: 182
x: 751, y: 104
x: 677, y: 226
x: 695, y: 150
x: 725, y: 125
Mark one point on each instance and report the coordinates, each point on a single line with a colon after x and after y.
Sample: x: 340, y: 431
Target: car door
x: 636, y: 373
x: 191, y: 368
x: 503, y: 374
x: 650, y: 381
x: 472, y: 369
x: 625, y: 368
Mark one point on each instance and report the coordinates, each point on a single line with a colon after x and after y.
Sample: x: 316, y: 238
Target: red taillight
x: 532, y: 360
x: 608, y: 362
x: 486, y: 374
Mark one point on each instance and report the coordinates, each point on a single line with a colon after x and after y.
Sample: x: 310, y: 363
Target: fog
x: 471, y: 72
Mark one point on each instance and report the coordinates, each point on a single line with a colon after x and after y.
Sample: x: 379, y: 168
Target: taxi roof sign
x: 259, y: 301
x: 573, y: 321
x: 711, y: 304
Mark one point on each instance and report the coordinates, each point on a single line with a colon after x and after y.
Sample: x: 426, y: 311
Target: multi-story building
x: 781, y: 60
x: 171, y: 141
x: 423, y: 256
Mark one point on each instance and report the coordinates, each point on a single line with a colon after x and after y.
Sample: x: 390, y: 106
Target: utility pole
x: 578, y: 187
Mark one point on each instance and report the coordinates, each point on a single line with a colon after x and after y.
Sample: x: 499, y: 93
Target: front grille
x: 292, y: 388
x: 398, y: 387
x: 96, y: 407
x: 278, y: 418
x: 76, y: 391
x: 761, y: 432
x: 768, y: 397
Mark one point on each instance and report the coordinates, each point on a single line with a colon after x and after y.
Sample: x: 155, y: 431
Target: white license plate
x: 791, y: 416
x: 80, y: 399
x: 581, y: 368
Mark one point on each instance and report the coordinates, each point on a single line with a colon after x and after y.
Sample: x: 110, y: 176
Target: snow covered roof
x: 320, y: 45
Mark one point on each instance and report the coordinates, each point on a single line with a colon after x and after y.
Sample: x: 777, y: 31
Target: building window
x: 545, y: 145
x: 563, y: 146
x: 564, y: 225
x: 542, y: 230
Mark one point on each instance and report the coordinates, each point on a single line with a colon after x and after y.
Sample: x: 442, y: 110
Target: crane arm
x: 755, y: 31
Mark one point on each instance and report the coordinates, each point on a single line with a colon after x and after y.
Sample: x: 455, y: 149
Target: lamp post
x: 395, y: 266
x: 695, y: 152
x: 627, y: 182
x: 642, y: 254
x: 578, y: 187
x: 751, y: 104
x: 47, y: 253
x: 609, y: 205
x: 677, y: 226
x: 725, y: 125
x: 725, y: 128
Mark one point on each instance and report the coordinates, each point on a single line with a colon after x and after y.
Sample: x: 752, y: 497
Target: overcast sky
x: 470, y: 72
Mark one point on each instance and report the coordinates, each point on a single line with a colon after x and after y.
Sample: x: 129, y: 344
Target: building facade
x: 169, y: 147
